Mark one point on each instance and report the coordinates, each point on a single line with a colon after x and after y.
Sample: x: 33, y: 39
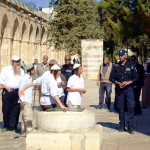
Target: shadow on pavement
x: 109, y: 125
x: 141, y: 123
x: 94, y: 106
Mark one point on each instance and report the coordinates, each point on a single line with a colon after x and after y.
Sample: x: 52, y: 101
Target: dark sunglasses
x: 67, y: 59
x: 51, y: 64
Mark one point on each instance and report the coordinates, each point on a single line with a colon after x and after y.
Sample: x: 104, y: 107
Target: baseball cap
x: 122, y: 52
x: 76, y: 66
x: 55, y: 67
x: 29, y: 67
x: 15, y: 58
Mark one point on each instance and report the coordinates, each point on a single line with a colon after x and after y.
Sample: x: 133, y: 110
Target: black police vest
x: 124, y: 72
x: 67, y: 71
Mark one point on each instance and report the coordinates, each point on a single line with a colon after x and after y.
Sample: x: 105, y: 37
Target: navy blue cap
x: 122, y: 52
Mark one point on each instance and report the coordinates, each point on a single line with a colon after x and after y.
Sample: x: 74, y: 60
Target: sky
x: 42, y: 3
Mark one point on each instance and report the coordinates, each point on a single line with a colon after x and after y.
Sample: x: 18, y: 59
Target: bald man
x: 42, y: 67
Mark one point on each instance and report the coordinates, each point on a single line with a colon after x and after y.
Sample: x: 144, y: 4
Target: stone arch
x: 15, y: 33
x: 4, y: 28
x: 37, y: 33
x: 24, y: 32
x: 31, y: 34
x: 43, y: 35
x: 4, y: 41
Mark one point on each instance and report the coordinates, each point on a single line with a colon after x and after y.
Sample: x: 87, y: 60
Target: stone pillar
x: 20, y: 49
x: 10, y: 49
x: 92, y: 57
x: 0, y: 51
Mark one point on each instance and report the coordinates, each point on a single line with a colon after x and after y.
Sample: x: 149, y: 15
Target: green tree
x: 72, y: 21
x: 124, y: 23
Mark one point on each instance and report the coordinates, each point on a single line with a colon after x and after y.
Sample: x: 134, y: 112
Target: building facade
x: 24, y: 33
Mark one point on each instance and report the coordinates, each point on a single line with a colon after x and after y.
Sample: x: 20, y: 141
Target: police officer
x: 124, y: 75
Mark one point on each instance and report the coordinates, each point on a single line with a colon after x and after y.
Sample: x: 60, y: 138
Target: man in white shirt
x: 10, y: 80
x: 48, y: 88
x: 75, y: 87
x: 26, y: 100
x: 61, y: 81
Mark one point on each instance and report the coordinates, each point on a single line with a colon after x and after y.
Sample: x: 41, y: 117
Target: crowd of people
x: 63, y: 87
x: 57, y: 86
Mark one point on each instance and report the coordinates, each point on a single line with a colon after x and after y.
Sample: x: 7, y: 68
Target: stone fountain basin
x: 70, y: 121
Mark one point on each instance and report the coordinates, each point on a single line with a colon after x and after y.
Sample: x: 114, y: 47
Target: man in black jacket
x: 67, y: 71
x: 138, y: 85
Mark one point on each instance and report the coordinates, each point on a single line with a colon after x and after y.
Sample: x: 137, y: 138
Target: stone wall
x: 23, y: 33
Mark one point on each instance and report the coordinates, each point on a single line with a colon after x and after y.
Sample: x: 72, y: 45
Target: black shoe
x: 131, y: 130
x: 121, y: 129
x: 99, y: 107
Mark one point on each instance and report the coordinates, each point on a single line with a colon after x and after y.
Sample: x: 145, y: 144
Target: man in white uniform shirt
x: 10, y: 80
x: 75, y: 87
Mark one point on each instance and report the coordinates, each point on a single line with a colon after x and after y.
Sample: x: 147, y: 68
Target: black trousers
x: 10, y: 109
x: 137, y: 92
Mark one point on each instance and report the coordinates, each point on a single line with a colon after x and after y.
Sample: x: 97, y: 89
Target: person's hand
x: 36, y: 87
x: 63, y: 108
x: 60, y: 84
x: 22, y: 104
x: 118, y: 83
x: 98, y: 83
x: 82, y: 91
x: 21, y: 93
x: 8, y: 89
x: 124, y: 84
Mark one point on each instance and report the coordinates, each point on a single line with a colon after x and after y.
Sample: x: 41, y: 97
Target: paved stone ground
x: 112, y: 139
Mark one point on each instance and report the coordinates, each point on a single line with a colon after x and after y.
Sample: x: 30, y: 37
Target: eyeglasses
x: 17, y: 61
x: 132, y: 59
x: 67, y: 59
x: 51, y: 64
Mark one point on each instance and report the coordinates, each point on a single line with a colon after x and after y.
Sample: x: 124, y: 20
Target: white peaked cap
x: 76, y: 66
x: 15, y: 58
x: 55, y: 67
x: 29, y: 67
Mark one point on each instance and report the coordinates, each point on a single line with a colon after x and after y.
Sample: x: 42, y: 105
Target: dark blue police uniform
x: 121, y: 73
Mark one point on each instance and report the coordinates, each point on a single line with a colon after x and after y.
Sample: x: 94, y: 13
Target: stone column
x: 10, y: 49
x: 92, y: 57
x: 20, y: 49
x: 0, y: 50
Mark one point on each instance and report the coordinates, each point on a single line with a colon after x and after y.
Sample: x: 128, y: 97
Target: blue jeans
x: 105, y: 87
